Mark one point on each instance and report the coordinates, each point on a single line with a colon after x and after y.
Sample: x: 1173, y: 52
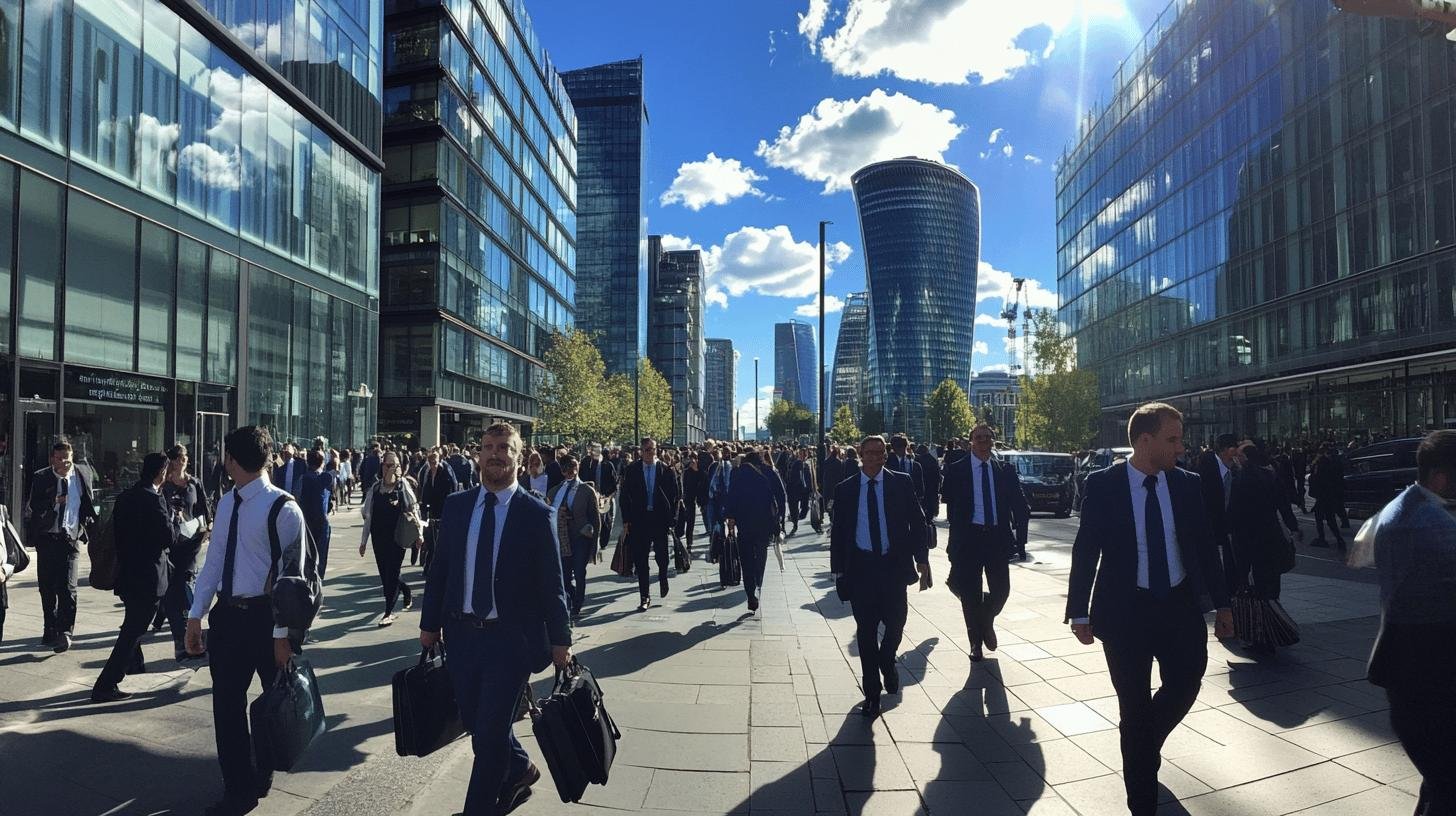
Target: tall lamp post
x: 823, y: 384
x: 755, y: 399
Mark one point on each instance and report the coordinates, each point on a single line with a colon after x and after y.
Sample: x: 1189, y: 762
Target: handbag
x: 682, y: 560
x: 407, y: 529
x: 621, y: 556
x: 287, y: 717
x: 575, y: 732
x: 14, y: 551
x: 426, y: 716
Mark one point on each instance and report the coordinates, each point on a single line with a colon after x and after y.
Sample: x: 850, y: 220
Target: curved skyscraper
x: 796, y: 364
x: 851, y: 356
x: 920, y: 222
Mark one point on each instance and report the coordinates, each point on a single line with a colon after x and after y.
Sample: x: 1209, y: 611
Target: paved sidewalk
x: 727, y: 713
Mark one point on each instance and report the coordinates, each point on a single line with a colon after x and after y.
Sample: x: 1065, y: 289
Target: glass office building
x: 611, y: 270
x: 796, y: 362
x: 1260, y: 227
x: 851, y: 357
x: 994, y: 396
x: 187, y: 231
x: 720, y: 366
x: 479, y: 218
x: 921, y: 226
x: 675, y: 334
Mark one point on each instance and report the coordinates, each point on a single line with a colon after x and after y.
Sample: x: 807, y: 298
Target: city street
x: 726, y: 713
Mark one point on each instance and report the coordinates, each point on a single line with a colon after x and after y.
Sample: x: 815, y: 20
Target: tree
x: 656, y: 401
x: 871, y: 418
x: 571, y: 389
x: 948, y: 411
x: 844, y: 431
x: 787, y: 418
x: 653, y: 405
x: 1059, y: 407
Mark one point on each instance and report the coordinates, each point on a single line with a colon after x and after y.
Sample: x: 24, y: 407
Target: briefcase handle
x: 427, y: 654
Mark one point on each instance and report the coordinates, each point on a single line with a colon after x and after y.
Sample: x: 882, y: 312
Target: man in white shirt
x: 60, y: 511
x: 1145, y: 536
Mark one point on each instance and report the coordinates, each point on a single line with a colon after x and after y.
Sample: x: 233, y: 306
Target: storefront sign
x: 105, y: 386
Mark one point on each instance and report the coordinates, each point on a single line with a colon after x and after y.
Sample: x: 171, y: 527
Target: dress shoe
x: 752, y: 604
x: 662, y: 586
x: 892, y: 680
x: 110, y: 694
x: 516, y: 793
x: 871, y: 707
x: 976, y: 654
x: 48, y: 639
x: 63, y: 642
x: 231, y: 806
x: 642, y: 607
x: 988, y: 635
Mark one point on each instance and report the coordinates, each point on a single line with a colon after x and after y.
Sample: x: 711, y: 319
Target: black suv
x: 1046, y: 480
x: 1377, y: 473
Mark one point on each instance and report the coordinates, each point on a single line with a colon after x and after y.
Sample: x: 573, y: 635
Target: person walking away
x: 930, y: 467
x: 1256, y: 508
x: 315, y: 492
x: 1216, y: 469
x: 989, y: 518
x: 437, y: 483
x: 1145, y: 537
x: 60, y: 511
x: 289, y: 472
x: 495, y: 591
x: 755, y: 509
x: 145, y: 526
x: 602, y: 475
x: 694, y: 483
x: 1326, y: 487
x: 370, y: 467
x: 574, y: 504
x: 876, y: 549
x: 1415, y: 553
x: 187, y: 496
x: 389, y: 499
x: 649, y: 506
x: 243, y: 638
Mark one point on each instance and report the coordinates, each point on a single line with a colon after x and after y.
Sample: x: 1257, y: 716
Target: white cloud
x: 950, y: 41
x: 994, y: 284
x: 838, y: 137
x: 995, y: 134
x: 984, y: 319
x: 1007, y: 150
x: 980, y: 347
x: 1030, y: 159
x: 811, y: 23
x: 711, y: 181
x: 1002, y: 367
x: 763, y: 261
x: 765, y: 402
x: 832, y: 304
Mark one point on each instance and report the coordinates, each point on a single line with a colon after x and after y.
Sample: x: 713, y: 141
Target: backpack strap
x: 274, y: 545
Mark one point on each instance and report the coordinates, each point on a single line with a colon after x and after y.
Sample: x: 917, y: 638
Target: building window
x: 101, y: 245
x: 41, y: 217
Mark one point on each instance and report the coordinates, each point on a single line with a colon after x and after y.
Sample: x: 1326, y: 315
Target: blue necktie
x: 483, y: 598
x: 872, y: 509
x: 1157, y: 542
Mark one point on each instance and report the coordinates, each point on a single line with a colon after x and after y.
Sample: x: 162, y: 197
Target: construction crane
x: 1013, y: 305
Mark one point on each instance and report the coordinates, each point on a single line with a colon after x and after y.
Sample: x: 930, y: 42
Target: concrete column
x: 429, y: 426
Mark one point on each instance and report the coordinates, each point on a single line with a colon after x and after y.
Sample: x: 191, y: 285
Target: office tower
x: 675, y: 335
x: 851, y: 357
x: 720, y: 384
x: 795, y: 362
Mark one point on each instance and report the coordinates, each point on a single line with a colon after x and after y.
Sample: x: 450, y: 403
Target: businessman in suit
x: 753, y: 494
x: 649, y: 509
x: 877, y: 548
x: 577, y: 517
x: 602, y: 475
x: 1217, y: 470
x: 1146, y: 541
x: 60, y: 512
x: 988, y: 518
x: 495, y: 588
x: 288, y: 476
x: 901, y: 461
x: 437, y: 483
x: 1415, y: 552
x: 934, y: 477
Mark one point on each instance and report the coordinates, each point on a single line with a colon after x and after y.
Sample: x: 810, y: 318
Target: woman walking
x: 315, y: 498
x: 534, y: 478
x: 186, y: 496
x: 384, y: 504
x: 1261, y: 550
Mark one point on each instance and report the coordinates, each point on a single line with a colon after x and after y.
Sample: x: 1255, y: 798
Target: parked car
x: 1046, y: 480
x: 1094, y: 461
x: 1377, y: 473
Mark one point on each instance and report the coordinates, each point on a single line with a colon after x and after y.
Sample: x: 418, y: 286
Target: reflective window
x: 222, y: 318
x: 39, y: 260
x: 154, y: 323
x: 191, y: 307
x: 157, y: 125
x: 105, y: 73
x: 7, y: 247
x: 9, y: 60
x: 42, y: 112
x: 101, y: 244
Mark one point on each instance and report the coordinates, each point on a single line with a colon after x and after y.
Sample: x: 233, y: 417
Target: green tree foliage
x: 844, y: 431
x: 1059, y: 406
x: 617, y: 424
x: 948, y: 411
x: 570, y: 391
x: 871, y: 419
x: 656, y: 397
x: 788, y: 419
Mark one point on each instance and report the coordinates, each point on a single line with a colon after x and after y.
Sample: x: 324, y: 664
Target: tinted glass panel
x: 39, y: 263
x: 158, y: 275
x: 100, y: 284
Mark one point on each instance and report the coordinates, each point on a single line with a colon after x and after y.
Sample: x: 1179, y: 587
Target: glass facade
x: 611, y: 298
x: 675, y: 334
x: 1269, y: 194
x: 720, y: 383
x: 921, y: 226
x: 479, y: 217
x: 994, y: 396
x: 849, y: 384
x: 796, y: 360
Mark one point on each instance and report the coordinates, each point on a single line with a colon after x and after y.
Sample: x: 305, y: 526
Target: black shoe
x: 48, y: 639
x: 871, y: 707
x: 63, y: 642
x: 988, y: 636
x: 231, y: 806
x: 976, y: 654
x: 108, y: 695
x: 662, y: 586
x: 409, y: 602
x: 642, y: 607
x: 752, y: 604
x: 892, y: 681
x: 519, y: 791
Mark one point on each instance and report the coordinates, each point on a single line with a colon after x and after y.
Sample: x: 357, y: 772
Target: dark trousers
x: 686, y: 521
x: 488, y: 667
x: 573, y: 569
x: 239, y: 646
x: 753, y: 554
x: 127, y: 653
x: 177, y: 603
x: 1325, y: 514
x: 1231, y: 576
x: 649, y: 538
x: 878, y: 598
x: 322, y: 532
x: 1171, y: 631
x: 800, y: 506
x: 55, y: 573
x: 1425, y: 722
x: 389, y: 558
x: 607, y: 519
x: 432, y: 536
x: 980, y: 609
x: 2, y: 622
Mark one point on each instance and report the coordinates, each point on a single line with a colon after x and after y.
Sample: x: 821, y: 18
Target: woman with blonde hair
x: 385, y: 504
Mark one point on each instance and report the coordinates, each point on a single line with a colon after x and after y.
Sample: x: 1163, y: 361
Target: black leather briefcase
x: 575, y: 732
x: 287, y: 717
x: 426, y: 717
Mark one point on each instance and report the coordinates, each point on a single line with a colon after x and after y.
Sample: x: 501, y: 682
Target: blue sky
x: 761, y: 109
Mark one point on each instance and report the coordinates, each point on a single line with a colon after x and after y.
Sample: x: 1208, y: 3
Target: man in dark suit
x: 649, y: 510
x: 437, y: 483
x: 1145, y: 524
x: 930, y: 468
x: 145, y: 526
x: 288, y: 475
x: 369, y: 468
x: 988, y: 517
x: 60, y: 513
x: 1217, y: 469
x: 602, y: 475
x: 954, y: 452
x: 753, y: 494
x: 495, y: 587
x: 553, y: 468
x: 901, y: 461
x: 877, y: 548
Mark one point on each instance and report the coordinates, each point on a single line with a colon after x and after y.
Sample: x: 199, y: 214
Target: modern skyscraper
x: 795, y: 363
x: 849, y: 385
x: 720, y: 385
x: 164, y: 166
x: 611, y: 272
x: 479, y: 219
x: 921, y: 226
x: 1276, y: 251
x: 675, y: 335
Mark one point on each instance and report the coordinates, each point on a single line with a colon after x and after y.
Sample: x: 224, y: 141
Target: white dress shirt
x: 69, y: 519
x: 979, y: 502
x: 862, y: 524
x: 472, y: 542
x: 1135, y: 479
x: 254, y: 555
x: 538, y: 483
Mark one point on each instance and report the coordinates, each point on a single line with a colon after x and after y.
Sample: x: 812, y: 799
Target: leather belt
x: 472, y: 620
x: 246, y: 603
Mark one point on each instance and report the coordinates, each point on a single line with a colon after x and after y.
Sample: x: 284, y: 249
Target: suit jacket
x: 369, y: 470
x: 602, y: 474
x: 1256, y: 505
x: 585, y: 519
x: 314, y: 492
x: 434, y: 491
x: 931, y: 468
x: 144, y: 528
x: 753, y: 493
x: 1415, y: 552
x: 41, y: 509
x: 1012, y: 514
x: 529, y: 593
x: 1214, y: 500
x: 1106, y: 549
x: 634, y: 495
x: 694, y: 485
x: 553, y: 474
x: 290, y: 482
x: 904, y: 521
x: 908, y: 466
x: 463, y: 469
x: 953, y: 456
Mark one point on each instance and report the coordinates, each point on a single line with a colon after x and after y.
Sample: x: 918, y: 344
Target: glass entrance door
x: 207, y: 450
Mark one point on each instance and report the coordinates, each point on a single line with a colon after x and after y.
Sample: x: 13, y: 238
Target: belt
x: 472, y: 620
x: 251, y: 602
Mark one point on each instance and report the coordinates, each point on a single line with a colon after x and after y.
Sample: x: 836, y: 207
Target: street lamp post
x: 823, y: 384
x: 636, y: 403
x: 755, y: 399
